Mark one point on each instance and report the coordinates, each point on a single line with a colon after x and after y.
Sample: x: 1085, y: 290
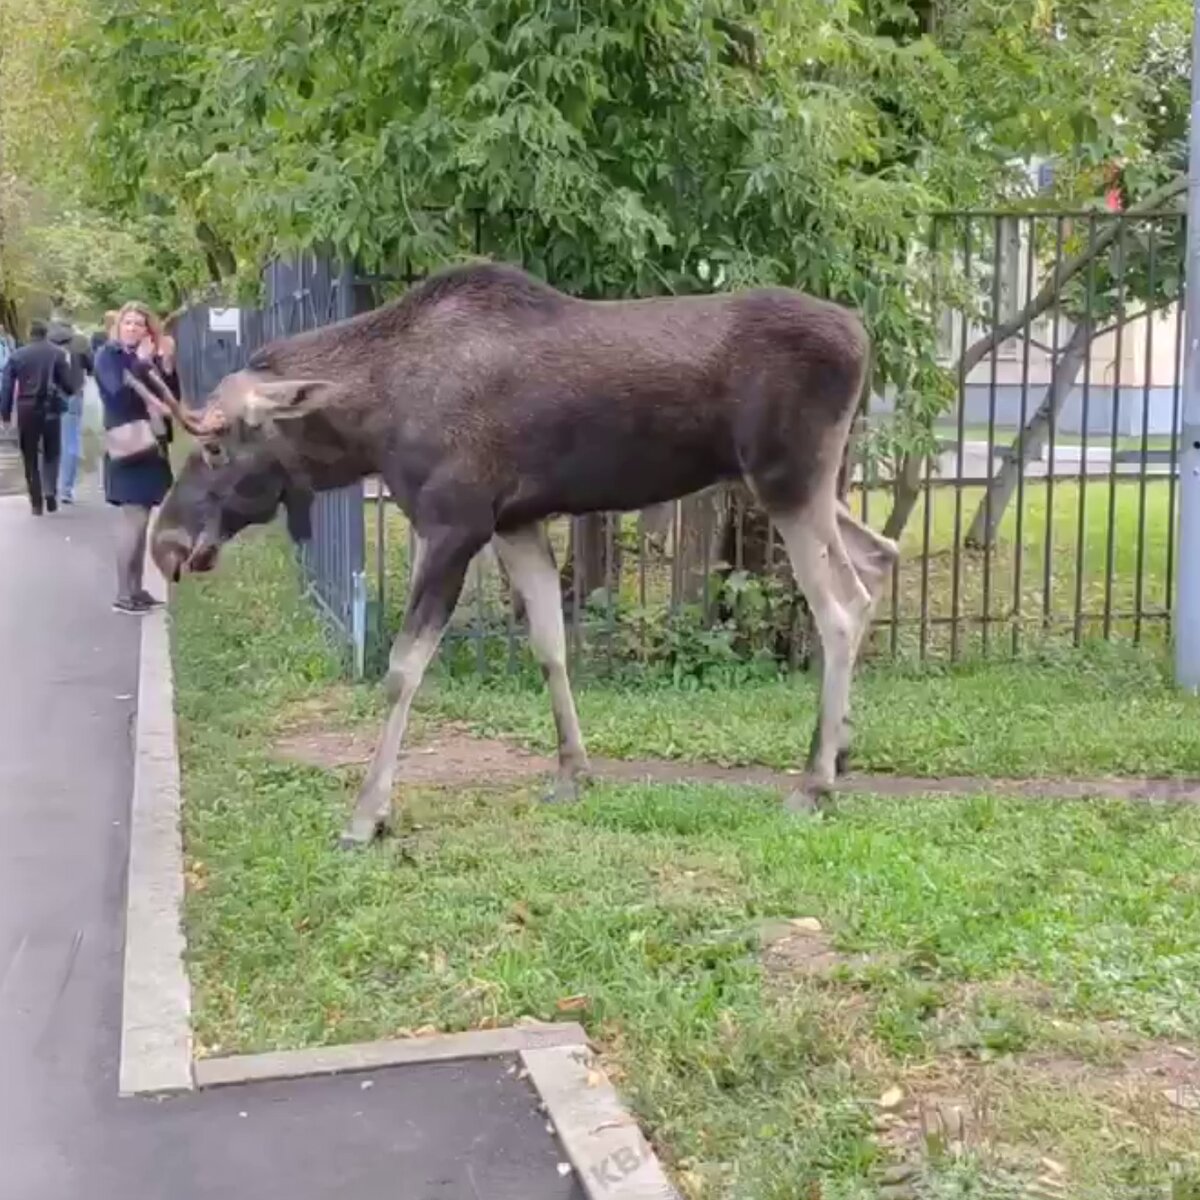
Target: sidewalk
x: 68, y: 671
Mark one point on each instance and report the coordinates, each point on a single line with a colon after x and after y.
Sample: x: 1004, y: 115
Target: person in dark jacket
x: 79, y: 351
x: 135, y: 486
x: 37, y: 379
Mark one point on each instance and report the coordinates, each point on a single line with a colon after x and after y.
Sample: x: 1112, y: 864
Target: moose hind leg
x: 873, y: 557
x: 442, y: 561
x: 839, y: 603
x: 529, y: 561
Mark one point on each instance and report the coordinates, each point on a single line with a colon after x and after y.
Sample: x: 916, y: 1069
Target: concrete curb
x: 156, y: 1037
x: 611, y: 1157
x: 393, y: 1052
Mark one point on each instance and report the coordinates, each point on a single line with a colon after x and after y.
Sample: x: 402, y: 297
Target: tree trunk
x: 906, y: 491
x: 1028, y: 443
x: 588, y: 555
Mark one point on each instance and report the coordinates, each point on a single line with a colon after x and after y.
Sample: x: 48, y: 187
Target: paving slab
x: 68, y: 680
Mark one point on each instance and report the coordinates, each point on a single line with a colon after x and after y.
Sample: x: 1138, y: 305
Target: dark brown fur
x: 488, y: 382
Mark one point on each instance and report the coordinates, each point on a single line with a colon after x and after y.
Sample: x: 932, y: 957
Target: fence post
x: 1187, y: 605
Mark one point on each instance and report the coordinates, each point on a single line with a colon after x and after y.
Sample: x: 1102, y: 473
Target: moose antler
x: 208, y: 423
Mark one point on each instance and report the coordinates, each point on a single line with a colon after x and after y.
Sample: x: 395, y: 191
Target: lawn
x: 978, y: 996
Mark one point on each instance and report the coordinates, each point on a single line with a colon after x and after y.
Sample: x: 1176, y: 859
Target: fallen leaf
x: 594, y: 1079
x: 572, y: 1003
x: 892, y: 1098
x: 1054, y: 1166
x: 564, y: 1169
x: 807, y: 924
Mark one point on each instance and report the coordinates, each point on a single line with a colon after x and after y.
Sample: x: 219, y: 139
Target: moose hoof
x: 360, y: 833
x: 563, y: 791
x: 814, y: 799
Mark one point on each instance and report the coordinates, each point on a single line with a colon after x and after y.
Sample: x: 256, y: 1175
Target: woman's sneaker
x: 146, y: 601
x: 122, y: 604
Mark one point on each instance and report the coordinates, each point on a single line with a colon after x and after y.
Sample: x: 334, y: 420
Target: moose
x: 488, y: 402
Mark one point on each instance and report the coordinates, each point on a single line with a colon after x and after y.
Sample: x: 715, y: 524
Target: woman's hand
x: 146, y: 349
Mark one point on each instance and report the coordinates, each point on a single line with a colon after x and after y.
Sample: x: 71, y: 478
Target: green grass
x: 1095, y: 714
x: 997, y: 932
x: 1004, y: 436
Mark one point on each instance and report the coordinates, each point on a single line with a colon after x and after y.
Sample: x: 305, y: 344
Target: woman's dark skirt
x: 144, y: 482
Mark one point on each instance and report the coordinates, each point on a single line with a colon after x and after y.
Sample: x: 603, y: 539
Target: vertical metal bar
x: 1022, y: 417
x: 706, y: 508
x: 1048, y: 554
x: 1176, y: 418
x: 739, y: 531
x: 894, y: 640
x: 641, y: 549
x: 997, y: 253
x: 676, y: 564
x: 1081, y: 531
x: 956, y: 550
x: 510, y: 626
x: 641, y: 570
x: 1139, y: 582
x: 576, y: 588
x: 926, y: 533
x: 381, y: 560
x: 1187, y: 607
x: 927, y: 515
x: 480, y: 648
x: 866, y: 455
x: 610, y: 600
x: 1111, y: 543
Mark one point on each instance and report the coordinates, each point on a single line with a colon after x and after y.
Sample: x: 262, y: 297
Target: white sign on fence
x: 225, y: 320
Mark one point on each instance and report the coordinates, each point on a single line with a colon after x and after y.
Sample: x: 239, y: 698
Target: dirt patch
x: 799, y: 947
x: 1162, y: 1067
x: 451, y: 756
x: 447, y: 758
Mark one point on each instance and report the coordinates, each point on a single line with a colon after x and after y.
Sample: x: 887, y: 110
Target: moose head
x: 243, y: 469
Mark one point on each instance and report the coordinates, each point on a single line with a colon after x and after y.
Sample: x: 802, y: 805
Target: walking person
x: 137, y: 470
x: 81, y: 365
x: 36, y: 380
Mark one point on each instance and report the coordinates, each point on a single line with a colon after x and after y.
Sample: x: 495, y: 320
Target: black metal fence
x: 302, y: 292
x: 1038, y: 506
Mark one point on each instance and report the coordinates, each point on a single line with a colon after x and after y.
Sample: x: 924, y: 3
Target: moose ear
x: 281, y: 399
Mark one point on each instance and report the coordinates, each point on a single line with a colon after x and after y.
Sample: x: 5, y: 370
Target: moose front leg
x: 873, y: 558
x: 529, y: 561
x: 441, y: 566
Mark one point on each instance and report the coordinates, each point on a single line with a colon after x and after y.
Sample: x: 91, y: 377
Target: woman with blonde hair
x: 137, y: 432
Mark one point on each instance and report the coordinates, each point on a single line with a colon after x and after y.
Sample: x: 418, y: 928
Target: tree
x: 624, y: 146
x: 57, y: 245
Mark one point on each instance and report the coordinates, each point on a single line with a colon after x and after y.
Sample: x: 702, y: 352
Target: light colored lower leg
x: 873, y: 557
x: 530, y: 566
x: 407, y: 663
x: 838, y: 600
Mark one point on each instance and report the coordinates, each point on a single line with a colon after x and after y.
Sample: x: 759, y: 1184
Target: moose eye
x: 215, y: 454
